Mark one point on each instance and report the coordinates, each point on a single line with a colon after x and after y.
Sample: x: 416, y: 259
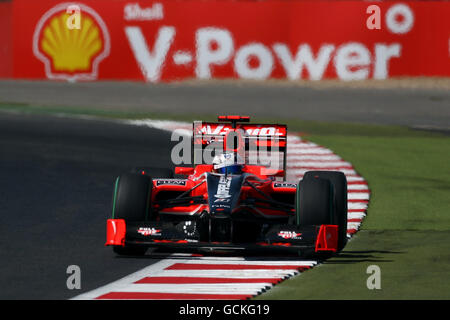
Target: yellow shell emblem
x: 71, y: 53
x: 71, y: 49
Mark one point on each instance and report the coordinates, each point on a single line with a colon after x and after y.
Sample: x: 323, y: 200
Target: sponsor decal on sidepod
x: 290, y: 235
x: 149, y: 231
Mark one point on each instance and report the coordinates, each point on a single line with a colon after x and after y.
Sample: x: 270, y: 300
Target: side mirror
x: 184, y: 170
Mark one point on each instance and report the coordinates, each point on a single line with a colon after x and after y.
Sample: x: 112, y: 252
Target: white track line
x: 315, y: 151
x: 238, y: 274
x: 318, y: 164
x: 125, y: 281
x: 267, y: 262
x: 205, y: 288
x: 358, y: 187
x: 303, y: 171
x: 324, y: 157
x: 356, y: 215
x: 357, y: 205
x: 358, y: 195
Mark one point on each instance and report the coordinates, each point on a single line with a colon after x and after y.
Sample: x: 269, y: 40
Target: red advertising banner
x: 171, y: 40
x: 6, y: 40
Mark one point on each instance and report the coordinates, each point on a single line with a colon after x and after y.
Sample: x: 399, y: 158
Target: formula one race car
x: 235, y: 197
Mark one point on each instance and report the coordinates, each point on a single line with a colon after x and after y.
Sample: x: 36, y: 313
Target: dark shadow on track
x: 347, y: 257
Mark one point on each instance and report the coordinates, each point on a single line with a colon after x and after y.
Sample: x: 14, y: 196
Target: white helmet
x: 228, y: 162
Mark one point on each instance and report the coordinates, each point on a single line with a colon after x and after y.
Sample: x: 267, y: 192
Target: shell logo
x: 70, y: 53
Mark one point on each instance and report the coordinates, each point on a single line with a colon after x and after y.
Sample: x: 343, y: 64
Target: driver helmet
x: 228, y: 163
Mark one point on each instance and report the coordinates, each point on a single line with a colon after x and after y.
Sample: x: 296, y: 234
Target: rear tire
x: 339, y: 182
x: 131, y: 202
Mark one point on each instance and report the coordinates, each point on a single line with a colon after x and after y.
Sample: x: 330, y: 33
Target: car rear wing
x: 258, y: 144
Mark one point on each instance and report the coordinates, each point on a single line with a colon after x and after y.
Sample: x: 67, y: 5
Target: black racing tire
x: 339, y: 182
x: 131, y: 202
x: 314, y: 202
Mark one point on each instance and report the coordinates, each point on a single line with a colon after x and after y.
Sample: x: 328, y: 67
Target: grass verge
x: 406, y: 231
x: 414, y: 264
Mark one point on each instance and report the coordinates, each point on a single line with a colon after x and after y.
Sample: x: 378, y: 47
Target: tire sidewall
x: 314, y: 202
x: 132, y: 197
x: 339, y: 182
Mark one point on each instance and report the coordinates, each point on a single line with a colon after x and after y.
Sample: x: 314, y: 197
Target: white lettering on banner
x: 215, y: 47
x: 383, y: 53
x: 242, y: 62
x: 132, y: 11
x: 150, y: 62
x: 303, y: 58
x: 352, y: 56
x: 182, y: 57
x: 208, y: 55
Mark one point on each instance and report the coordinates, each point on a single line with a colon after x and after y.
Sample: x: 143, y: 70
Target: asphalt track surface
x: 414, y: 103
x: 56, y: 179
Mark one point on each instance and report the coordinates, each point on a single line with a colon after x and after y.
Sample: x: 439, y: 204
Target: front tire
x: 314, y: 202
x: 131, y: 202
x: 339, y: 182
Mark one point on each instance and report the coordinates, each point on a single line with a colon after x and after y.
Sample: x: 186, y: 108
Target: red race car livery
x: 235, y: 197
